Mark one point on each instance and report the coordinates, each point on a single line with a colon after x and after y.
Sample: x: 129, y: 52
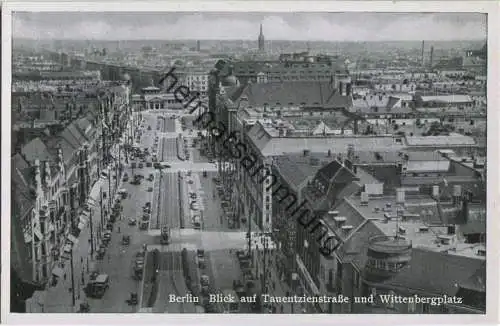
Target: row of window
x: 384, y: 265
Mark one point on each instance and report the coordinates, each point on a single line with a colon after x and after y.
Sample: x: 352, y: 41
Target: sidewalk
x: 59, y: 298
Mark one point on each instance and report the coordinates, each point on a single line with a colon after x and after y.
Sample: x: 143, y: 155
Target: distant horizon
x: 248, y: 40
x: 277, y: 26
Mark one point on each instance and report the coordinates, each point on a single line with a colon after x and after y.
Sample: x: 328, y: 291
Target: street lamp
x: 73, y: 299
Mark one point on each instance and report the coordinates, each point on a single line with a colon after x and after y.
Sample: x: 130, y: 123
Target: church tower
x: 261, y: 40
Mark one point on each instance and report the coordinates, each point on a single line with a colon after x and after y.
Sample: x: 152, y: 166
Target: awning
x: 72, y: 239
x: 67, y: 248
x: 58, y: 271
x: 95, y: 192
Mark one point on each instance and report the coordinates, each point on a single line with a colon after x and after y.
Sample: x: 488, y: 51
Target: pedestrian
x: 65, y: 276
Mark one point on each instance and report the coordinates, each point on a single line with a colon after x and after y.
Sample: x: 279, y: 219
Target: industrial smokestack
x: 431, y: 57
x: 423, y: 49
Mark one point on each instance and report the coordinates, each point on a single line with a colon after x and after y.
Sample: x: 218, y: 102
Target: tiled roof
x: 477, y: 281
x: 336, y: 178
x: 426, y: 166
x: 295, y: 168
x: 451, y: 140
x: 270, y: 146
x: 22, y: 198
x: 435, y: 272
x: 72, y: 136
x: 309, y: 93
x: 330, y: 170
x: 36, y: 150
x: 20, y: 168
x: 447, y: 98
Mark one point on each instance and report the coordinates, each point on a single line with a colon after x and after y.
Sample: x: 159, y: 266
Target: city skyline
x: 297, y: 26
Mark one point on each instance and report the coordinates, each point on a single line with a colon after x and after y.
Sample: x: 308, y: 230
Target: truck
x: 165, y: 235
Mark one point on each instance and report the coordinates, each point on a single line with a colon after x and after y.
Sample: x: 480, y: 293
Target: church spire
x: 261, y: 39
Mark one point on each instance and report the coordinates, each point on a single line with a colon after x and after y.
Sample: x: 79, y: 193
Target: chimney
x: 431, y: 57
x: 333, y: 213
x: 346, y: 228
x: 364, y: 198
x: 348, y: 89
x: 422, y: 56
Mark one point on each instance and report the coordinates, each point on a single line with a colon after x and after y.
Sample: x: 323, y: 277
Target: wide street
x: 180, y: 186
x: 179, y: 195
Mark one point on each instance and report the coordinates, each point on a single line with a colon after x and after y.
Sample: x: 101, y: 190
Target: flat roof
x: 424, y: 213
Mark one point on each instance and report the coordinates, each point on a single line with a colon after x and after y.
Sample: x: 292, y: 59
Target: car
x: 132, y: 221
x: 141, y: 165
x: 150, y: 189
x: 149, y: 164
x: 126, y: 240
x: 204, y: 280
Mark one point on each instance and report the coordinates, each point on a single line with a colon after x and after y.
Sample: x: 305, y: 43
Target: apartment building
x: 53, y: 172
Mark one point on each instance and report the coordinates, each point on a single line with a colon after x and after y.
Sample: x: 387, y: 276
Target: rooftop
x: 419, y: 212
x: 274, y: 146
x: 299, y: 93
x: 453, y: 139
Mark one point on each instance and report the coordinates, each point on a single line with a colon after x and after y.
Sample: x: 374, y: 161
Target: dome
x: 230, y: 81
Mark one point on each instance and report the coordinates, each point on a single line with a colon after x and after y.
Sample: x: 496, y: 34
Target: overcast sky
x: 245, y: 26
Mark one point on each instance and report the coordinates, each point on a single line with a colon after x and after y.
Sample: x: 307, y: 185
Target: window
x: 390, y: 304
x: 412, y: 307
x: 425, y: 308
x: 356, y: 279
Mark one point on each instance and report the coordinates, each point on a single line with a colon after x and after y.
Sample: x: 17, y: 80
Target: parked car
x: 150, y: 189
x: 126, y: 240
x: 141, y: 165
x: 132, y: 221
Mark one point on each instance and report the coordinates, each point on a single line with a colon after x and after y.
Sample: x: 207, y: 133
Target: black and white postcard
x: 276, y: 160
